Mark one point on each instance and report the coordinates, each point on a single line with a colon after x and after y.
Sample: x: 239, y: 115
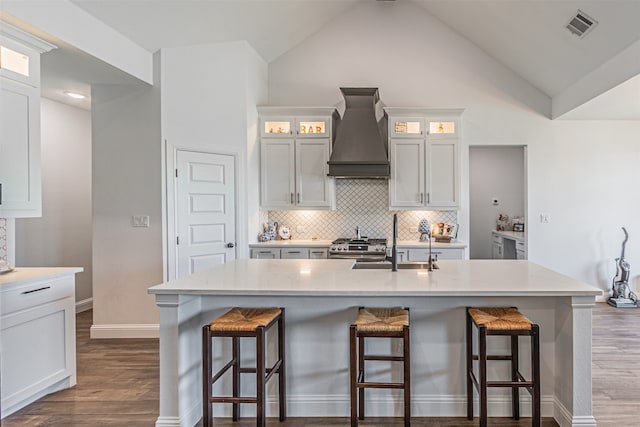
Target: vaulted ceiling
x: 527, y: 36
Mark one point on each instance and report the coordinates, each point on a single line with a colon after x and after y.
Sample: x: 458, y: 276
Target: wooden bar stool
x: 505, y: 321
x: 378, y: 323
x: 237, y: 323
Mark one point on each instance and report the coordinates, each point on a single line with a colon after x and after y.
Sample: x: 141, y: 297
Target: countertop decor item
x: 284, y: 232
x: 425, y: 229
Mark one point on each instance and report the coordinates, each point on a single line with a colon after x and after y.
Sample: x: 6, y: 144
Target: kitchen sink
x: 387, y: 266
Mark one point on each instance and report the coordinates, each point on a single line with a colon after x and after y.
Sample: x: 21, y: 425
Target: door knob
x: 231, y: 245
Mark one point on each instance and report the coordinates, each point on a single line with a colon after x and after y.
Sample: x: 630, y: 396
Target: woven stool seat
x: 382, y: 319
x: 500, y: 318
x: 244, y: 319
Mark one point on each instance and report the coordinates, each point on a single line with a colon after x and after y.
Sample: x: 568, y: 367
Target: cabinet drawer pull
x: 421, y: 197
x: 298, y: 198
x: 264, y: 252
x: 292, y: 198
x: 36, y: 290
x: 293, y: 252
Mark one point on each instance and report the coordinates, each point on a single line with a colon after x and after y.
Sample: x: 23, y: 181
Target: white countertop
x: 25, y: 275
x: 336, y: 278
x: 292, y: 243
x: 454, y: 244
x: 416, y: 244
x: 515, y: 235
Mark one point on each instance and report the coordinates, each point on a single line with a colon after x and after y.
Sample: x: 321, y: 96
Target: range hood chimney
x: 360, y: 148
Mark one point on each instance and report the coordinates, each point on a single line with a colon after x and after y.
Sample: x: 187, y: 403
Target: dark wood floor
x: 118, y: 384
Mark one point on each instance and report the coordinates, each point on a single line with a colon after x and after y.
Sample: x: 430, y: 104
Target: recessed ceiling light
x: 75, y: 95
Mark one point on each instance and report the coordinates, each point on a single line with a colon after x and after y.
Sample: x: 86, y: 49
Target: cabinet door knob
x: 231, y: 245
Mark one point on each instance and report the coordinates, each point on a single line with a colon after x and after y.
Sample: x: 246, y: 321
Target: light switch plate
x: 141, y: 220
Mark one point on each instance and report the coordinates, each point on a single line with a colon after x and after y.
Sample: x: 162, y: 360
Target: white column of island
x: 321, y: 298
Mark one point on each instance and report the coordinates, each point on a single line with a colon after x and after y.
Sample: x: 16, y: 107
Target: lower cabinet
x: 289, y: 253
x: 421, y: 255
x: 38, y: 338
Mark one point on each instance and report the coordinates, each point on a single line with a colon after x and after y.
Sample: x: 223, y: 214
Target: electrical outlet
x: 140, y: 221
x: 545, y: 218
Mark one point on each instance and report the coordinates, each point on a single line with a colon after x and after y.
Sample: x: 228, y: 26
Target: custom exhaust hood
x: 360, y: 148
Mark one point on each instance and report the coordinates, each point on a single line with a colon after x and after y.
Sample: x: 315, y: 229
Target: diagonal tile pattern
x: 359, y: 202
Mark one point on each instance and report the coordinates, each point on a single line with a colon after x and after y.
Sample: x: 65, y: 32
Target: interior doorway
x: 497, y: 185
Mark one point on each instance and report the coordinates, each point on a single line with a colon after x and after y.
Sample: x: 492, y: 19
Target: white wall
x: 126, y: 182
x: 493, y: 172
x: 62, y: 236
x: 209, y: 98
x: 580, y: 173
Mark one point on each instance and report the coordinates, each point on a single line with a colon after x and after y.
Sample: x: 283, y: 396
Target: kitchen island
x: 321, y: 299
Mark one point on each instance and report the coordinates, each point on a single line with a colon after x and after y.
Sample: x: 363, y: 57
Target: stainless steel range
x: 363, y: 250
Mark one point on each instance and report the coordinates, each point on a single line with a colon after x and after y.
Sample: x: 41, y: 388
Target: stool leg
x: 353, y: 368
x: 361, y: 373
x: 206, y: 377
x: 260, y: 380
x: 282, y: 382
x: 535, y: 364
x: 515, y: 391
x: 407, y: 377
x: 483, y: 375
x: 236, y: 375
x: 469, y: 366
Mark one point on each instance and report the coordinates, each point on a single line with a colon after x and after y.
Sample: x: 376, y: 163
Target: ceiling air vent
x: 581, y: 24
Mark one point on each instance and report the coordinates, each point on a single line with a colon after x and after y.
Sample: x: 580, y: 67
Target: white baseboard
x: 84, y: 305
x: 125, y: 331
x: 386, y: 406
x: 564, y: 418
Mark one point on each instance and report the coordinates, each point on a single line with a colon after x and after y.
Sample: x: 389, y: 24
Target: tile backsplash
x: 3, y: 239
x: 359, y: 202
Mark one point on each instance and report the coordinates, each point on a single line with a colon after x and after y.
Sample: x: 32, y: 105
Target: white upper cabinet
x: 407, y: 183
x: 293, y: 169
x: 425, y: 172
x: 20, y: 177
x: 313, y: 187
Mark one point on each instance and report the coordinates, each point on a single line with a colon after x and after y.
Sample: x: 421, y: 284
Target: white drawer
x: 318, y: 253
x: 295, y: 253
x: 519, y: 245
x: 36, y: 293
x: 496, y: 238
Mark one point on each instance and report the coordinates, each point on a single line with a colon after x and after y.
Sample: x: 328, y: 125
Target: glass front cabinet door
x: 406, y: 127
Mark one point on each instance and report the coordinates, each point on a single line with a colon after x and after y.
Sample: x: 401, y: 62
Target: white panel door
x: 205, y: 217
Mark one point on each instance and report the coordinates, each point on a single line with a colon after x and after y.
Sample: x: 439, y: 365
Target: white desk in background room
x: 508, y: 245
x: 321, y: 299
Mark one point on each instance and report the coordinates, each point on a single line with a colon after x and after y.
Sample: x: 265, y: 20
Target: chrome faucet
x: 394, y: 252
x: 358, y: 235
